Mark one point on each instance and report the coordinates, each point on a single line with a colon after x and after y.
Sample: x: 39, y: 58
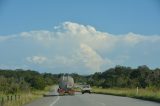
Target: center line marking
x: 54, y: 102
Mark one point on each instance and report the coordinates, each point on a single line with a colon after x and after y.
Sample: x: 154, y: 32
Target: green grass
x: 145, y: 94
x: 25, y: 97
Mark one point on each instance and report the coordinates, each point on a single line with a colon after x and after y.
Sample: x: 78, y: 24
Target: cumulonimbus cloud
x: 76, y: 45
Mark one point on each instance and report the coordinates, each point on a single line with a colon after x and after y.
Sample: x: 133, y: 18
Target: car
x: 86, y: 89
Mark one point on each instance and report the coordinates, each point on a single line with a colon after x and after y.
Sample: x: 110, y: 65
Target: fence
x: 9, y: 98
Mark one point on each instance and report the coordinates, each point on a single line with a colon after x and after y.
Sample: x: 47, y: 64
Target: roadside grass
x: 24, y: 98
x: 145, y: 94
x: 77, y: 89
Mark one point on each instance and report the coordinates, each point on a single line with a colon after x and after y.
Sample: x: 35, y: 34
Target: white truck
x: 86, y: 89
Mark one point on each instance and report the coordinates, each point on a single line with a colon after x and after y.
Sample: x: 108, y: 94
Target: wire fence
x: 9, y: 98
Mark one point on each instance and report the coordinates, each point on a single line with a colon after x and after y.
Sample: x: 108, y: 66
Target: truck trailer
x: 66, y: 85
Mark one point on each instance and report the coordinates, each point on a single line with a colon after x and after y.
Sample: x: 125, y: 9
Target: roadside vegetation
x: 145, y: 94
x: 22, y: 98
x: 142, y: 82
x: 18, y: 87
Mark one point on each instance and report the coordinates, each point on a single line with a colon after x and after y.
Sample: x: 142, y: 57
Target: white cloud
x: 91, y: 58
x: 62, y: 61
x: 75, y: 45
x: 37, y: 59
x: 73, y: 32
x: 132, y: 38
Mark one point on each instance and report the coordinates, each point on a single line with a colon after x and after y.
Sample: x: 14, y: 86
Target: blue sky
x: 118, y: 17
x: 82, y: 36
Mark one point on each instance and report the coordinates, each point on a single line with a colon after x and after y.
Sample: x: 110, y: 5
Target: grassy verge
x: 145, y: 94
x: 23, y: 98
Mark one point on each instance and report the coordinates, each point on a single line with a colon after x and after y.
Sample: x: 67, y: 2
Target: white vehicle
x: 86, y: 89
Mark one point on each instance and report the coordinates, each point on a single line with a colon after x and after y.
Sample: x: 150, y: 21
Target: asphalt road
x: 90, y: 100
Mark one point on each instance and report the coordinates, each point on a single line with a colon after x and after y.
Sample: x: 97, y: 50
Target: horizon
x: 70, y: 73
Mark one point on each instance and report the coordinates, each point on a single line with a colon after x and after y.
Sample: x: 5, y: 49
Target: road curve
x: 90, y: 100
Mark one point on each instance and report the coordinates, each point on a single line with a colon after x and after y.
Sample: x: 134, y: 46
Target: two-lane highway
x: 101, y: 100
x: 90, y: 100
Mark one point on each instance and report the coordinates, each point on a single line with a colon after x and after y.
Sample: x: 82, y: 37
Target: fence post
x: 19, y: 97
x: 7, y: 98
x: 11, y: 97
x: 15, y: 97
x: 2, y: 102
x: 137, y: 90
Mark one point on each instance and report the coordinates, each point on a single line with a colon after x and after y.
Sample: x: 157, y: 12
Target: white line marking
x: 54, y: 102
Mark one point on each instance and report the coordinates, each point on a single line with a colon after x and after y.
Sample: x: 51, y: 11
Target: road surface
x: 90, y: 100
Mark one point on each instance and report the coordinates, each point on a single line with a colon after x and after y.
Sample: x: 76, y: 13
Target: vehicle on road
x: 86, y: 89
x: 66, y: 85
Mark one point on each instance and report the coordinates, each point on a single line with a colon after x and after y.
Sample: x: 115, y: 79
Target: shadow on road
x: 50, y: 95
x: 47, y: 95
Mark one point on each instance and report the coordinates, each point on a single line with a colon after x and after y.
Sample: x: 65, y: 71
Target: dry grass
x: 146, y: 94
x: 25, y: 97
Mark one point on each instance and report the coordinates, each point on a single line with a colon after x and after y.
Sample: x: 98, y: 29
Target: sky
x: 83, y: 36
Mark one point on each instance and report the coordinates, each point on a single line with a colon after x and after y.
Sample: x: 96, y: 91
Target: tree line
x: 19, y: 80
x: 126, y: 77
x: 13, y: 81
